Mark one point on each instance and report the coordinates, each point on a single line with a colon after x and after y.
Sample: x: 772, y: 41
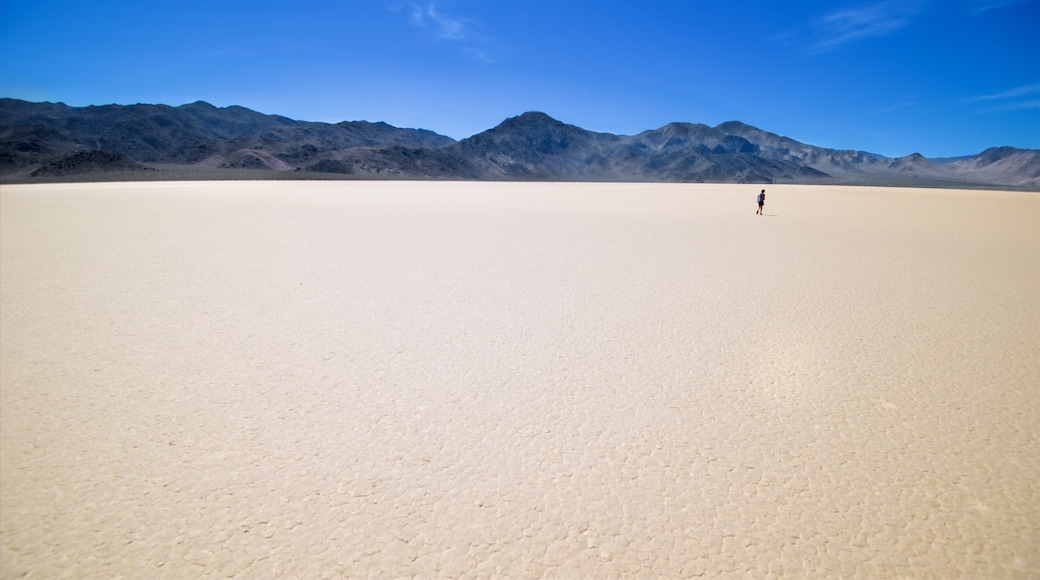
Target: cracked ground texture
x: 479, y: 380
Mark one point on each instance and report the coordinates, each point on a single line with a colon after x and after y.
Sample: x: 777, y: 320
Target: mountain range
x: 40, y: 141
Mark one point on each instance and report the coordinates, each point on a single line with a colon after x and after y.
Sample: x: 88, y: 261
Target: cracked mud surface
x: 519, y: 380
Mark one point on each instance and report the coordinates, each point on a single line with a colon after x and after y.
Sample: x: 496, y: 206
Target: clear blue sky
x: 938, y: 77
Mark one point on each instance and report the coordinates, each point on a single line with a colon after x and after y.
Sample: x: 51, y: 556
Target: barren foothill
x: 524, y: 380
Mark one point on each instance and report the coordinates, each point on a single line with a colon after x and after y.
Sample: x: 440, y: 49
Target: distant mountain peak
x: 734, y: 125
x: 531, y: 119
x: 530, y: 146
x: 997, y: 153
x: 684, y: 127
x: 535, y: 116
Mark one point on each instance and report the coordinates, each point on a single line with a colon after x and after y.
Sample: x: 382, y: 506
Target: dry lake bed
x: 518, y: 380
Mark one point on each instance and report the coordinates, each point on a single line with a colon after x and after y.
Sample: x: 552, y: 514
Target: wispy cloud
x: 1022, y: 91
x: 1022, y: 98
x: 446, y: 26
x: 981, y: 6
x: 843, y: 27
x: 431, y: 17
x: 897, y: 106
x: 1033, y: 105
x: 1028, y: 105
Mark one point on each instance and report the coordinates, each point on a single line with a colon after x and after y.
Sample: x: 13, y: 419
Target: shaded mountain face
x: 699, y: 153
x: 189, y: 134
x: 83, y: 162
x: 1005, y: 165
x: 536, y: 146
x: 531, y: 146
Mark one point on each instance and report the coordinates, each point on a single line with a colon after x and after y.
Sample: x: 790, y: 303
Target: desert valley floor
x: 471, y: 380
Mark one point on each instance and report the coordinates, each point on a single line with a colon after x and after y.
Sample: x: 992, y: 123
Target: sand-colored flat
x: 385, y: 379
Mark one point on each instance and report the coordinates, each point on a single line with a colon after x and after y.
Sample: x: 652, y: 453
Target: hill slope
x: 30, y: 133
x: 531, y: 146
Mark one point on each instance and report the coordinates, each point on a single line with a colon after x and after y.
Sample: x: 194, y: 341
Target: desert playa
x: 479, y: 380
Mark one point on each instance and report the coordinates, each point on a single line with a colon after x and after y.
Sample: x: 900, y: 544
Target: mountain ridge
x: 530, y: 146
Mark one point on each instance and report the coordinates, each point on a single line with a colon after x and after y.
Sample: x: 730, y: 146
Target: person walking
x: 761, y: 203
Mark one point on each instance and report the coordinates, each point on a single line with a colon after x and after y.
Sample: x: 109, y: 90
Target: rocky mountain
x: 198, y: 133
x: 1001, y: 165
x: 531, y: 146
x: 82, y: 162
x: 536, y: 146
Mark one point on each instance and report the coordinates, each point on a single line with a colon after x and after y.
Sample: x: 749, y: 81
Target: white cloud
x: 839, y: 28
x: 897, y: 106
x: 1011, y: 94
x: 446, y: 26
x: 981, y: 6
x: 1033, y: 104
x: 431, y: 17
x: 1022, y: 98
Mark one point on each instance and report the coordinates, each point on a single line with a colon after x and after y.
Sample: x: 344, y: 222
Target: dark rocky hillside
x: 82, y: 162
x: 37, y: 140
x: 34, y: 133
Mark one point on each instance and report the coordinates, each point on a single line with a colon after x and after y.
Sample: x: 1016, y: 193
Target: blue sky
x: 938, y: 77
